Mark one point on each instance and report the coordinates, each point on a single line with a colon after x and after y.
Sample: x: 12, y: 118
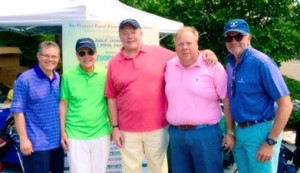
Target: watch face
x: 271, y: 141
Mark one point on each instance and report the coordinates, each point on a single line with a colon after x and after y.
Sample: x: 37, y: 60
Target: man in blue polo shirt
x: 35, y: 105
x: 259, y: 101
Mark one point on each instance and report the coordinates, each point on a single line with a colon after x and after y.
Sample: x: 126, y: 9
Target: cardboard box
x: 10, y: 56
x: 8, y: 75
x: 10, y: 65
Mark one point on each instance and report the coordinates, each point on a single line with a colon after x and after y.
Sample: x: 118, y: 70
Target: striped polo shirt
x: 37, y: 97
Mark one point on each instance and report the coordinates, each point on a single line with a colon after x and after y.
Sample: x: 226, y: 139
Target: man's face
x: 236, y: 42
x: 186, y: 48
x: 87, y: 58
x: 131, y: 38
x: 48, y: 58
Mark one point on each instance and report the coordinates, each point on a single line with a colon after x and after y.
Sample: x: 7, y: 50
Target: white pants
x: 153, y: 145
x: 88, y: 155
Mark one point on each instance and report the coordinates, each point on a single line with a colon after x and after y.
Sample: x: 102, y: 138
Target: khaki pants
x: 153, y: 145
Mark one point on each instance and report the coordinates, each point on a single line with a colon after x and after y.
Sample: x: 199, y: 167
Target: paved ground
x: 291, y: 69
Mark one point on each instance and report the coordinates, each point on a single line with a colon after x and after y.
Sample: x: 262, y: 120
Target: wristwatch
x: 229, y: 132
x: 271, y: 141
x: 115, y: 126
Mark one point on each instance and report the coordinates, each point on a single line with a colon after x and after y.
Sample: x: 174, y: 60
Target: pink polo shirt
x: 138, y: 86
x: 194, y: 93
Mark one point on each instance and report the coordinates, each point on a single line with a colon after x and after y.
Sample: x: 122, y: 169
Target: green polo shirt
x: 87, y: 115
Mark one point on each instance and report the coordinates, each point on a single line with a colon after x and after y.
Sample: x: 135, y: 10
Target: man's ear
x: 249, y: 38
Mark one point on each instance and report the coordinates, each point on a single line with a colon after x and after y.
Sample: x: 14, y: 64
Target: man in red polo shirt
x: 136, y: 100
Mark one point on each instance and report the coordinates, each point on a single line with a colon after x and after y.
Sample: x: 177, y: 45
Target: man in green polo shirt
x: 84, y: 120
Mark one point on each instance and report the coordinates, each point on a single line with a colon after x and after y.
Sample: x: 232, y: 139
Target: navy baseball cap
x: 237, y: 25
x: 131, y: 22
x: 85, y: 42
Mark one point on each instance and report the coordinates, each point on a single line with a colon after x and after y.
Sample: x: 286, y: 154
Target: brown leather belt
x: 186, y: 127
x: 251, y: 123
x: 190, y: 127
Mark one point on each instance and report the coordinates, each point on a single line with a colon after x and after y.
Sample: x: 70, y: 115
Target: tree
x: 274, y: 24
x: 27, y: 44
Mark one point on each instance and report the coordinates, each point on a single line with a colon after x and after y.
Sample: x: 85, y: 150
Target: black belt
x: 251, y: 123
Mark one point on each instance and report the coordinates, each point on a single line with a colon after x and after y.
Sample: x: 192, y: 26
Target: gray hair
x: 44, y: 44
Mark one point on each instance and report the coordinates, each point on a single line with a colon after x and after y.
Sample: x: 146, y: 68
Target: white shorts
x: 88, y: 155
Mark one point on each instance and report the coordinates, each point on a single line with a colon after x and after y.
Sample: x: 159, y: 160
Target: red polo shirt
x: 138, y: 86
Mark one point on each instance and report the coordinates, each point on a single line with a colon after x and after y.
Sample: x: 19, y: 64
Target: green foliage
x: 274, y: 24
x: 27, y: 44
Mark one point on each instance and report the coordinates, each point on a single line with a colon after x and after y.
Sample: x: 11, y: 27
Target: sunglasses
x: 238, y: 38
x: 82, y: 53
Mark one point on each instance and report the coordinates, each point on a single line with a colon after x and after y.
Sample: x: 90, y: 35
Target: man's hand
x: 26, y: 146
x: 229, y: 141
x: 117, y: 137
x: 209, y: 57
x: 265, y: 152
x: 64, y: 141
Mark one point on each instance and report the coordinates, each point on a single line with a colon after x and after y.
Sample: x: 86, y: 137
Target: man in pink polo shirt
x: 136, y: 100
x: 194, y: 91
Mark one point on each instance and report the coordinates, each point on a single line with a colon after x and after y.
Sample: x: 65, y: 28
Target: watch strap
x: 271, y: 141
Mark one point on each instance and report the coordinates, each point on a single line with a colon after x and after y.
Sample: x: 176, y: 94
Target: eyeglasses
x: 233, y: 85
x: 49, y: 56
x: 238, y: 38
x: 82, y: 53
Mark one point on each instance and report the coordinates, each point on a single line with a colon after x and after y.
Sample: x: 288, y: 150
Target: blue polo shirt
x: 37, y: 97
x: 254, y: 85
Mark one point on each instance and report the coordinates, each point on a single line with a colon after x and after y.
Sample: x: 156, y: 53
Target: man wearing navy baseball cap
x: 259, y: 101
x: 84, y: 121
x: 131, y: 22
x: 85, y: 42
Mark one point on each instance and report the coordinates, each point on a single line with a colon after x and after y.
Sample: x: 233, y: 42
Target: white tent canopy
x: 40, y: 16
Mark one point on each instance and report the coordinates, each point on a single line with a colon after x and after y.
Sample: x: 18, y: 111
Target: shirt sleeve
x: 110, y: 90
x: 220, y: 80
x: 19, y: 99
x: 273, y: 81
x: 64, y: 89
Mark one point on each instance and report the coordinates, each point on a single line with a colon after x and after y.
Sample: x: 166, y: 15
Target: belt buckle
x: 248, y: 124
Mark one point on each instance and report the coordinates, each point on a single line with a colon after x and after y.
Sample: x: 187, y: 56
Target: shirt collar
x: 198, y: 63
x: 95, y: 70
x: 230, y: 58
x: 123, y: 56
x: 39, y: 72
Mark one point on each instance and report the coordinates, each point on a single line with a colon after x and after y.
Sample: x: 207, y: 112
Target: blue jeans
x: 45, y: 161
x: 248, y: 141
x: 197, y: 150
